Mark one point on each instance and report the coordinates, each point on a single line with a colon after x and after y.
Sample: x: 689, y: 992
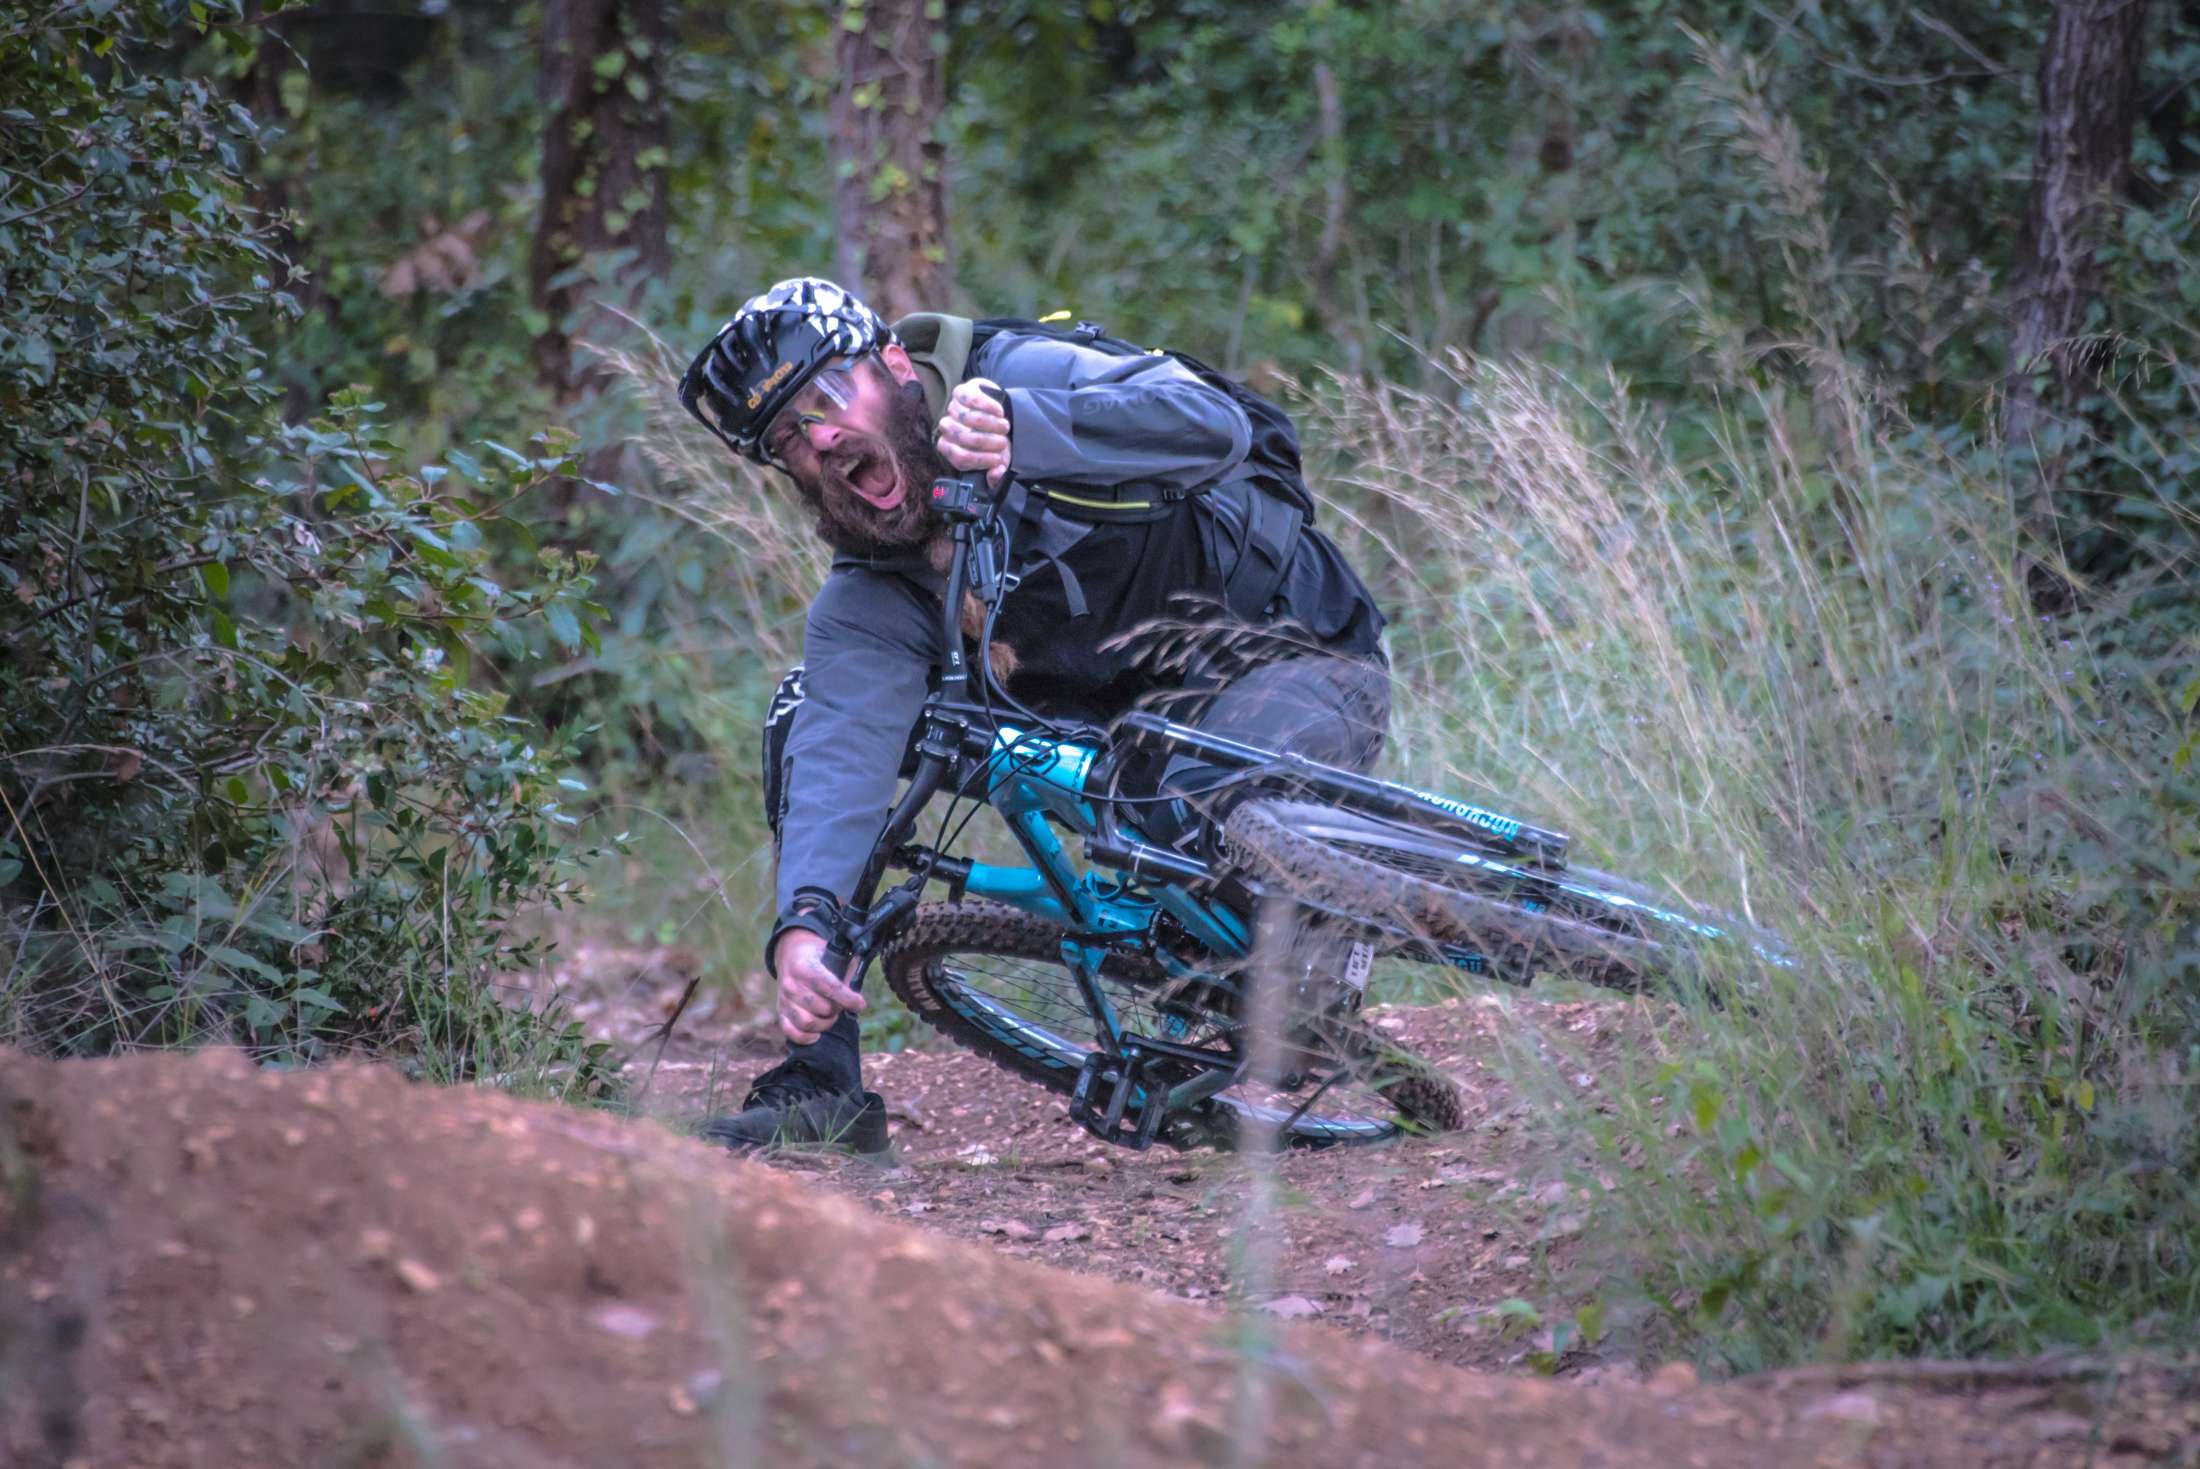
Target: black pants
x: 1334, y: 710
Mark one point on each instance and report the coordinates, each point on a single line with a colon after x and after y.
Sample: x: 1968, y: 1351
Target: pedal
x: 1115, y: 1101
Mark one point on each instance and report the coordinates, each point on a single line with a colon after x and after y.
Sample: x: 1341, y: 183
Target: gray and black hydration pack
x: 1274, y: 516
x: 947, y: 343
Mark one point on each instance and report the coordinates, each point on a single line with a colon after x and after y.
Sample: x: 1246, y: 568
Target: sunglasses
x: 832, y: 389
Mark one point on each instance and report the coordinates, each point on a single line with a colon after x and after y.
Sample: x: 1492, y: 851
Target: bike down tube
x: 1047, y: 854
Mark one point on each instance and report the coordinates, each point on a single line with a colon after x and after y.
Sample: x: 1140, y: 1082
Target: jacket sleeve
x: 868, y: 648
x: 1083, y: 417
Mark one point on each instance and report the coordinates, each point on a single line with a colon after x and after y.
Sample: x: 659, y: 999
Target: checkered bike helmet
x: 769, y: 351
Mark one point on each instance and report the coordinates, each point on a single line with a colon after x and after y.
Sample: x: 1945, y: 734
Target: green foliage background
x: 1651, y: 354
x: 257, y: 788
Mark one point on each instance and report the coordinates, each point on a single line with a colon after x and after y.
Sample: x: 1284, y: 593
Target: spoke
x: 1043, y: 994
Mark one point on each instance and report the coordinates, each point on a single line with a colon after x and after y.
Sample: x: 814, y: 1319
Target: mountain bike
x: 1208, y: 990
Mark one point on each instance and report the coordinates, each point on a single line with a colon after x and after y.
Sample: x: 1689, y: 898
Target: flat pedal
x: 1116, y: 1101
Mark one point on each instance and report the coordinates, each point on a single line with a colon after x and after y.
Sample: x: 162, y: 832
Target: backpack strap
x: 1040, y: 538
x: 1271, y: 536
x: 940, y: 345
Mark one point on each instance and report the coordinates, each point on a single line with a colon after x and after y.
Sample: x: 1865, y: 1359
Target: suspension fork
x: 859, y: 928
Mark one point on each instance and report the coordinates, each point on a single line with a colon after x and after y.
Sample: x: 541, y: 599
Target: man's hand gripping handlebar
x: 814, y: 969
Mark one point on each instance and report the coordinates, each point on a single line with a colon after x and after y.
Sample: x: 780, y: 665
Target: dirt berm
x: 201, y: 1264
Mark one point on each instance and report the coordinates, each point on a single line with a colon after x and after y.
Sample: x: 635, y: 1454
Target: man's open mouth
x: 870, y: 472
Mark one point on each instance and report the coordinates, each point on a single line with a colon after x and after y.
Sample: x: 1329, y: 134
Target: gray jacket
x: 871, y: 643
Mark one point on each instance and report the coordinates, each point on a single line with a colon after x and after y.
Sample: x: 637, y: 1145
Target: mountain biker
x: 1148, y: 504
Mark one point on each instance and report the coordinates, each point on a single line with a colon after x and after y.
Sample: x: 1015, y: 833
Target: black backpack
x: 1275, y: 447
x: 1276, y: 515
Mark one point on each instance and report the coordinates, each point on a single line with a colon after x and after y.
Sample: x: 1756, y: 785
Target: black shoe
x: 792, y: 1106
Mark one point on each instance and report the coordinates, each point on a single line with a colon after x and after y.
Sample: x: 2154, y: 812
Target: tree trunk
x: 2089, y: 96
x: 889, y: 193
x: 603, y: 168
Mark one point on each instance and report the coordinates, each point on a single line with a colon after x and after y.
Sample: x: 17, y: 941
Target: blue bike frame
x: 1038, y: 784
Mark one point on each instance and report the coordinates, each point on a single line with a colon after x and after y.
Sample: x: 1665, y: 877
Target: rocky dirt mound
x: 205, y: 1265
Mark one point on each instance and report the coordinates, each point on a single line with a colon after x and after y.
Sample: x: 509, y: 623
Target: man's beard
x: 853, y: 526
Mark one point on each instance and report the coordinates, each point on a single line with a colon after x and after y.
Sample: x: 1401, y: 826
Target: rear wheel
x: 994, y: 979
x: 1424, y: 885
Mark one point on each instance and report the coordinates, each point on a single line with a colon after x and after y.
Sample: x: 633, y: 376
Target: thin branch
x: 185, y: 563
x: 81, y: 190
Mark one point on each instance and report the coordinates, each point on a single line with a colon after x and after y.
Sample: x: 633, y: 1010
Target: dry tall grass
x: 1797, y: 675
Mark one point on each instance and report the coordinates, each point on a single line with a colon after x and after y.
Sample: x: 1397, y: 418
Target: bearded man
x: 1145, y: 500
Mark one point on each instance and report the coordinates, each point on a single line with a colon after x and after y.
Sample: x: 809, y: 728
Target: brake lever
x: 855, y: 935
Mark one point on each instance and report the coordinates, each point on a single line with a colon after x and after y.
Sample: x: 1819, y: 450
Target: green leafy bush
x: 252, y: 790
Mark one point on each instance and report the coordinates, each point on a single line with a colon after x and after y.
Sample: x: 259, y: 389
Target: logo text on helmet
x: 779, y: 375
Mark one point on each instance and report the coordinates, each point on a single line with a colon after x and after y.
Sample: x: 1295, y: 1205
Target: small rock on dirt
x: 1292, y: 1306
x: 705, y: 1385
x: 1848, y: 1407
x: 1063, y: 1233
x: 1184, y: 1425
x: 418, y: 1278
x: 628, y: 1321
x: 1365, y: 1198
x: 1006, y: 1228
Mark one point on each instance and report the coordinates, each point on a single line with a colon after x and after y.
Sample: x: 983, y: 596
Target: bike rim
x: 1061, y: 1036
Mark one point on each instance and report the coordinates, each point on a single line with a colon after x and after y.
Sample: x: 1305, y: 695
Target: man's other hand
x: 974, y: 429
x: 811, y: 996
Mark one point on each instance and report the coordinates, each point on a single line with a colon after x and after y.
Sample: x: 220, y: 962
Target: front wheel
x: 1427, y: 886
x: 995, y: 980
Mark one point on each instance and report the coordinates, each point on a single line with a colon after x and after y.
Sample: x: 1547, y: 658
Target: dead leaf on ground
x: 1403, y: 1236
x: 1007, y: 1228
x: 1064, y: 1233
x: 1337, y: 1264
x: 1362, y: 1199
x: 1292, y: 1306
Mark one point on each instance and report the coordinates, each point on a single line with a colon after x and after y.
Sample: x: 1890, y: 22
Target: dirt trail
x: 1416, y: 1245
x: 201, y: 1264
x: 205, y: 1265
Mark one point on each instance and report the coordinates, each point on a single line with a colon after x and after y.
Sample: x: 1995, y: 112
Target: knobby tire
x: 916, y: 965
